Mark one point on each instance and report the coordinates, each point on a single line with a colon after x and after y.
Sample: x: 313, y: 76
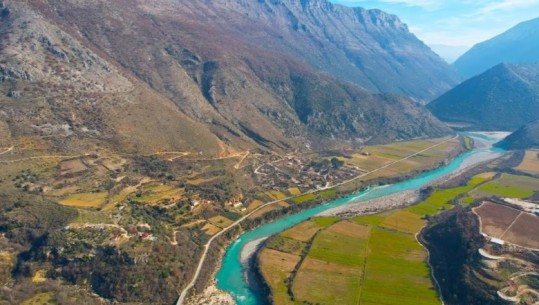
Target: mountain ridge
x: 502, y: 98
x: 518, y: 45
x: 245, y: 95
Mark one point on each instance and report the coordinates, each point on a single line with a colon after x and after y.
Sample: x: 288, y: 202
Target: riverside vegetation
x: 376, y: 259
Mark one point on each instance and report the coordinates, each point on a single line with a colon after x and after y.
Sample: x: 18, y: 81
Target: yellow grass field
x: 220, y: 221
x: 85, y: 200
x: 211, y: 229
x: 157, y: 193
x: 39, y: 277
x: 253, y: 205
x: 41, y: 299
x: 275, y: 195
x: 276, y: 266
x: 403, y: 221
x: 530, y: 163
x: 302, y: 232
x: 265, y: 209
x: 294, y: 191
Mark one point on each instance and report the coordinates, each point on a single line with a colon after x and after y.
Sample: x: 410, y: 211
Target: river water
x: 230, y: 277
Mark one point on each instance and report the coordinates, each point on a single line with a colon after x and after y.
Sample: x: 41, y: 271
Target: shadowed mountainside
x: 525, y: 137
x: 503, y: 98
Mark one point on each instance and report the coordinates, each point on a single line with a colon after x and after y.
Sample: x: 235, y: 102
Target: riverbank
x: 374, y: 206
x: 228, y: 278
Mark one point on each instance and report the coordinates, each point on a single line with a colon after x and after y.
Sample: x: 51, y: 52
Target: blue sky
x: 455, y: 22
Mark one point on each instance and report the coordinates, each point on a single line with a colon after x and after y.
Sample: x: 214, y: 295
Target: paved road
x: 191, y: 284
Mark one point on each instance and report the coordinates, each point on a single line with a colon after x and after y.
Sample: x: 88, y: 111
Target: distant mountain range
x: 449, y: 53
x: 217, y: 75
x: 519, y: 45
x: 525, y: 137
x: 503, y: 98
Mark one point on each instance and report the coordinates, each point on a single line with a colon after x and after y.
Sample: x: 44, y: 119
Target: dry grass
x: 39, y: 276
x: 254, y: 204
x: 73, y: 166
x: 350, y: 229
x: 276, y: 266
x: 523, y: 231
x: 194, y: 223
x: 199, y: 181
x: 266, y: 209
x: 275, y: 195
x: 530, y: 163
x: 85, y: 200
x: 302, y: 232
x: 495, y: 218
x: 157, y: 193
x: 41, y: 299
x: 294, y: 191
x: 509, y: 224
x: 403, y: 221
x: 211, y: 229
x: 64, y: 191
x: 220, y: 221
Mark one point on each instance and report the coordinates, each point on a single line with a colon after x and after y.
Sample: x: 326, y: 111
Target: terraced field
x: 377, y: 156
x: 370, y: 260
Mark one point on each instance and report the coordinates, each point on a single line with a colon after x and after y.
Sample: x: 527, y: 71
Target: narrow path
x: 7, y: 150
x: 44, y: 157
x: 510, y: 226
x: 191, y: 284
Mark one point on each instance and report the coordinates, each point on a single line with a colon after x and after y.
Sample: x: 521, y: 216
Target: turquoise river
x: 230, y: 276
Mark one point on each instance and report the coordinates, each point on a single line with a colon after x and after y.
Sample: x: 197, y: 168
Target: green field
x: 509, y: 186
x: 331, y: 271
x: 499, y: 188
x: 396, y: 272
x: 369, y: 260
x: 440, y: 198
x: 325, y: 221
x: 304, y: 198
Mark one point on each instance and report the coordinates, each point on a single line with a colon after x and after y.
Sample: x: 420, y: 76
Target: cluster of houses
x: 294, y: 171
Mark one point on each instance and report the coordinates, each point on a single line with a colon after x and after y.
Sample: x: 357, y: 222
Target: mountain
x: 503, y: 98
x: 519, y: 45
x: 210, y: 76
x: 525, y: 137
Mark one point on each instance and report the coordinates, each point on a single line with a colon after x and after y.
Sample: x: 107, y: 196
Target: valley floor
x: 376, y: 259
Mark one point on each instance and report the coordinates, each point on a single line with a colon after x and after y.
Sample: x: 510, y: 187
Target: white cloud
x: 506, y: 5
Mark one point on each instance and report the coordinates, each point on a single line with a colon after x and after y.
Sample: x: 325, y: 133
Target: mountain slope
x: 367, y: 47
x: 232, y: 92
x: 57, y: 88
x: 525, y: 137
x: 519, y: 45
x: 503, y: 98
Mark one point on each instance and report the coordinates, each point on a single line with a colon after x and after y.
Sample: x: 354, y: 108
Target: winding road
x: 185, y: 291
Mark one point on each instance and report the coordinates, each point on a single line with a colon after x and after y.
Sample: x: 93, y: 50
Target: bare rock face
x: 212, y: 296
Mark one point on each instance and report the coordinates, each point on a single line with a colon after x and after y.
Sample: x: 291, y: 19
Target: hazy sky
x: 455, y: 22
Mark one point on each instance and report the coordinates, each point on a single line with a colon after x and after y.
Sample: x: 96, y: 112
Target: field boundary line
x: 364, y: 271
x: 191, y: 284
x: 510, y: 226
